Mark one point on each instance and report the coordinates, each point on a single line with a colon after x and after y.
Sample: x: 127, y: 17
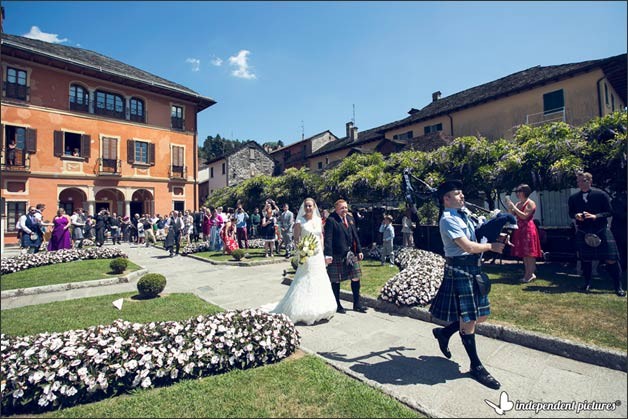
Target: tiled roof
x: 614, y: 68
x: 346, y: 142
x: 102, y: 64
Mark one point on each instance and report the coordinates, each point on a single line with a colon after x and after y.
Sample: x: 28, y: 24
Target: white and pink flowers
x: 52, y: 370
x: 27, y: 261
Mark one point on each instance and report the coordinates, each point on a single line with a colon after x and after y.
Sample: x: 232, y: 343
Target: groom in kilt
x: 462, y: 298
x: 591, y: 207
x: 343, y: 252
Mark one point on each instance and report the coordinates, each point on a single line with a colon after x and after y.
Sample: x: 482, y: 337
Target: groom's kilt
x: 459, y: 296
x: 339, y: 271
x: 607, y: 250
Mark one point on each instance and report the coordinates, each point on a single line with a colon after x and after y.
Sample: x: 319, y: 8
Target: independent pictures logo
x: 505, y: 405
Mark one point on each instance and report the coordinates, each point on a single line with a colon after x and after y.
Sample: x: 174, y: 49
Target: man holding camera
x: 591, y: 207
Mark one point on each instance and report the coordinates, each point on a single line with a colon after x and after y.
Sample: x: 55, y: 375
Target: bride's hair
x: 301, y: 214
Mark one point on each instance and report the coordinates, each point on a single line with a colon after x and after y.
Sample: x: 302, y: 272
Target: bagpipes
x: 497, y: 227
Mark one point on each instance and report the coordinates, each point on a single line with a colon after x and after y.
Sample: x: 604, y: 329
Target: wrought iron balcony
x: 177, y: 123
x: 80, y: 107
x: 20, y: 163
x: 16, y: 91
x: 178, y: 172
x: 109, y: 167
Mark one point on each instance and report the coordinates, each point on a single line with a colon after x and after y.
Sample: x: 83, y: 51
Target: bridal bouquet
x: 308, y: 246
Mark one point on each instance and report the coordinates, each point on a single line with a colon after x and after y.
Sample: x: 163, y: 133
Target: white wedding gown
x: 310, y: 297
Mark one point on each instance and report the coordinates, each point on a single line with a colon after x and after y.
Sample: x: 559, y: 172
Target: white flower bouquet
x: 308, y: 246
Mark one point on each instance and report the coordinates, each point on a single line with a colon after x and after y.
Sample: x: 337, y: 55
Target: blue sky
x: 273, y: 66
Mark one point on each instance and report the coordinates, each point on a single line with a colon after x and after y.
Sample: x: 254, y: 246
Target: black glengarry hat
x: 448, y: 185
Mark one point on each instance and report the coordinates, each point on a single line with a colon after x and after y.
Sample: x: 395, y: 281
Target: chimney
x: 2, y: 19
x: 349, y: 129
x: 436, y: 96
x: 354, y: 134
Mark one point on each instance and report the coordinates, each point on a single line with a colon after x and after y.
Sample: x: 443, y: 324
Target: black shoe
x: 483, y: 377
x: 620, y: 293
x: 171, y: 254
x: 442, y: 344
x: 586, y: 289
x: 359, y: 308
x: 341, y: 310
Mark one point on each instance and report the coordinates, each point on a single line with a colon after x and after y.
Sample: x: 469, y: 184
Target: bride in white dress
x: 310, y: 297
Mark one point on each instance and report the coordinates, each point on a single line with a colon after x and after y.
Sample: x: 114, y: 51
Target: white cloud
x: 217, y: 61
x: 196, y: 63
x: 36, y: 33
x: 241, y: 62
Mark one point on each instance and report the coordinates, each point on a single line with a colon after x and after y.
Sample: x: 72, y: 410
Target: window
x: 432, y: 128
x: 140, y: 152
x: 178, y: 162
x: 71, y: 144
x: 606, y: 94
x: 137, y: 110
x: 79, y: 98
x: 612, y: 103
x: 15, y: 84
x: 109, y: 104
x: 176, y: 117
x: 68, y: 207
x: 178, y: 205
x: 109, y: 161
x: 405, y: 136
x: 14, y: 211
x: 211, y: 172
x: 223, y: 168
x: 320, y: 165
x: 553, y: 101
x: 19, y: 141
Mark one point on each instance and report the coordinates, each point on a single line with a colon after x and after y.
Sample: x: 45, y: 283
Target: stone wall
x: 318, y: 142
x: 248, y: 163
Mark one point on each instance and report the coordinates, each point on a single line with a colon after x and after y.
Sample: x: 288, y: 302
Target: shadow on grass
x: 559, y: 277
x: 138, y: 297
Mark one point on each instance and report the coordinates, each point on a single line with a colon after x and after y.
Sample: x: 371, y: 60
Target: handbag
x: 484, y: 283
x: 592, y: 240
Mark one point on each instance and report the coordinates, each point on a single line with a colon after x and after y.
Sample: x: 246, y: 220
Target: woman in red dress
x: 526, y: 238
x: 228, y: 235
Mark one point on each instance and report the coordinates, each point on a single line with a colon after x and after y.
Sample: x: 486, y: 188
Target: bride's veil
x: 316, y: 216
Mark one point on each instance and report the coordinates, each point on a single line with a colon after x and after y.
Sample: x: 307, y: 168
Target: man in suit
x: 175, y: 225
x: 343, y: 252
x: 286, y: 224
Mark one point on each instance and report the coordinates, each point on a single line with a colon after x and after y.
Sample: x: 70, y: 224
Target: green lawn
x: 296, y: 387
x: 62, y: 273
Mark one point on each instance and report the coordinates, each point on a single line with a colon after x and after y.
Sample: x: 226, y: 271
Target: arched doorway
x: 142, y: 202
x: 72, y: 198
x: 110, y: 199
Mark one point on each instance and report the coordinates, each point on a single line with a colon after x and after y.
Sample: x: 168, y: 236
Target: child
x: 388, y: 231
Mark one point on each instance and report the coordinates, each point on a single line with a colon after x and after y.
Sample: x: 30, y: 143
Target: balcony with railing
x: 546, y: 117
x: 17, y: 161
x: 109, y: 167
x: 176, y: 122
x: 79, y: 107
x: 178, y: 172
x: 16, y: 90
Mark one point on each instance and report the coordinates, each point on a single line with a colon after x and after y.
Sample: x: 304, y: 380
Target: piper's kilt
x: 339, y: 271
x: 459, y: 296
x: 77, y: 233
x: 607, y: 250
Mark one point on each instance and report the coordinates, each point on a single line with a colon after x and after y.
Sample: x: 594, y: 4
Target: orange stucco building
x: 80, y: 129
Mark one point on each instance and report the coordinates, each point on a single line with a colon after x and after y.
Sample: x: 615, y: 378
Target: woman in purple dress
x: 60, y: 238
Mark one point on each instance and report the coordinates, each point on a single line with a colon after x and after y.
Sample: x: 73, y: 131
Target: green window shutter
x: 31, y: 140
x: 553, y: 101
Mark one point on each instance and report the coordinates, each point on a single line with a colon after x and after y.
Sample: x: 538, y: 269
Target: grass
x: 62, y: 273
x: 551, y: 304
x: 254, y: 254
x: 84, y: 312
x: 296, y: 387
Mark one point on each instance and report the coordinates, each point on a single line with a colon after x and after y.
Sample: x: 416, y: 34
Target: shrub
x: 118, y: 265
x: 238, y: 254
x: 150, y: 285
x: 52, y: 370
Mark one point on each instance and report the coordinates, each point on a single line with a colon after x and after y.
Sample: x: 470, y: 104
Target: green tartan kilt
x: 339, y: 271
x: 459, y: 297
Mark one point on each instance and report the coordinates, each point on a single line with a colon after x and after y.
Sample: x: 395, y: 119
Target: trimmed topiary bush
x: 151, y: 285
x: 238, y: 254
x: 118, y: 265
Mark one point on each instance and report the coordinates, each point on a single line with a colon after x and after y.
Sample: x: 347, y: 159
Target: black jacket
x: 340, y: 239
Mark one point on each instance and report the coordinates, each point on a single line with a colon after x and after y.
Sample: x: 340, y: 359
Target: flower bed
x: 420, y: 276
x: 204, y: 246
x: 27, y: 261
x: 52, y: 370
